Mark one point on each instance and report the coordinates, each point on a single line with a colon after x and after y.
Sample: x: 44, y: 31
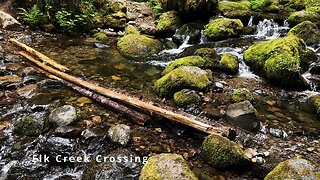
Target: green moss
x: 131, y: 30
x: 100, y: 35
x: 186, y: 97
x: 222, y: 153
x: 28, y: 126
x: 313, y: 6
x: 223, y: 28
x: 315, y: 102
x: 168, y: 22
x: 229, y: 63
x: 166, y: 166
x: 301, y: 16
x: 296, y: 5
x: 188, y: 61
x: 183, y: 77
x: 265, y: 5
x: 208, y: 53
x: 307, y: 31
x: 278, y: 59
x: 235, y: 9
x: 239, y: 95
x: 292, y: 169
x: 138, y: 46
x: 116, y: 20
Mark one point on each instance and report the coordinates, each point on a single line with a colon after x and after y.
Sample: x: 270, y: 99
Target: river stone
x: 120, y: 134
x: 138, y: 46
x: 243, y: 115
x: 291, y: 169
x: 55, y: 146
x: 239, y: 95
x: 223, y: 28
x: 222, y: 153
x: 27, y: 91
x: 168, y: 23
x: 229, y: 63
x: 186, y: 97
x: 189, y: 77
x: 9, y: 79
x: 32, y: 125
x: 166, y: 166
x: 235, y: 10
x: 307, y: 31
x: 279, y: 60
x: 63, y: 115
x: 8, y: 22
x: 111, y: 169
x: 67, y: 132
x: 300, y: 16
x: 192, y: 31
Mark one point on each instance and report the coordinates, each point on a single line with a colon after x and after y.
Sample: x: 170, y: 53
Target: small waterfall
x: 179, y: 49
x: 250, y: 23
x: 268, y: 29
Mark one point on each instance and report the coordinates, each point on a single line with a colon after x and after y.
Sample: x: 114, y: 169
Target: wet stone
x: 120, y: 134
x: 10, y: 79
x: 63, y: 115
x: 29, y: 79
x: 67, y: 132
x: 32, y: 125
x: 27, y: 91
x: 55, y: 146
x: 49, y: 84
x: 278, y: 133
x: 12, y: 58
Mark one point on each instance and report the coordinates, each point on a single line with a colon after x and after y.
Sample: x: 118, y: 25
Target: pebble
x: 120, y: 133
x: 96, y: 120
x: 84, y: 100
x: 27, y: 91
x: 63, y: 115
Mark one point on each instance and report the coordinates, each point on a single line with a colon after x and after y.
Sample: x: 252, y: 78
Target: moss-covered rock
x: 315, y: 102
x: 265, y: 5
x: 116, y: 20
x: 190, y: 77
x: 313, y: 6
x: 278, y: 60
x: 300, y: 16
x: 190, y: 30
x: 220, y: 152
x: 223, y: 28
x: 186, y: 97
x: 307, y: 31
x: 293, y: 169
x: 207, y: 53
x: 166, y: 166
x: 235, y: 10
x: 188, y: 61
x: 131, y: 30
x: 229, y: 63
x: 239, y: 95
x: 296, y: 5
x: 100, y: 35
x: 138, y: 46
x: 31, y: 125
x: 168, y: 23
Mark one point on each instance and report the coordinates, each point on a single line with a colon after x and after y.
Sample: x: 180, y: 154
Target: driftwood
x: 39, y: 55
x: 135, y: 102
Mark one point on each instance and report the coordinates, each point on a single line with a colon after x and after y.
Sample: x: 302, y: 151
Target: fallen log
x: 39, y: 55
x: 135, y: 116
x: 135, y: 102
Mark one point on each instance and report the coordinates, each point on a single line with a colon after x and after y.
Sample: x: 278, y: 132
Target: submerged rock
x: 223, y: 28
x: 239, y: 95
x: 32, y: 125
x: 166, y: 166
x: 186, y: 97
x: 192, y: 31
x: 307, y: 31
x: 190, y: 77
x: 138, y: 46
x: 293, y: 169
x: 243, y: 115
x: 229, y: 63
x: 279, y: 60
x: 168, y: 23
x: 120, y: 134
x: 220, y: 152
x: 188, y: 61
x: 300, y: 16
x: 63, y: 115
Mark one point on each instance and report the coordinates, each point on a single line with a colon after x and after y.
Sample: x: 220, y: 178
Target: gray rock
x: 32, y: 125
x: 63, y: 115
x: 243, y: 115
x: 8, y: 22
x: 120, y: 134
x: 193, y: 30
x: 55, y: 146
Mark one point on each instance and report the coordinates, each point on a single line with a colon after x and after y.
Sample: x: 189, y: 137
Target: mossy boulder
x: 296, y: 5
x: 168, y: 23
x: 313, y: 6
x: 188, y: 61
x: 190, y: 9
x: 265, y: 5
x: 301, y: 16
x: 223, y: 28
x: 307, y: 31
x: 100, y: 36
x: 138, y: 46
x: 240, y: 10
x: 222, y: 153
x: 229, y: 63
x: 166, y: 166
x: 295, y: 168
x: 279, y: 60
x: 315, y: 102
x: 131, y: 30
x: 116, y: 20
x: 32, y: 125
x: 186, y: 97
x: 189, y: 77
x: 239, y: 95
x: 206, y: 53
